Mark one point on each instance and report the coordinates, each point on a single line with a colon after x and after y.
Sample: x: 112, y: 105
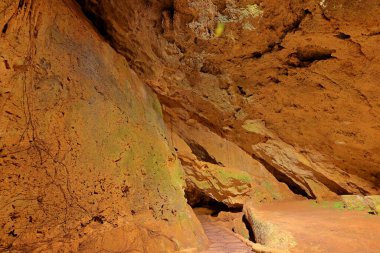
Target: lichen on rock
x: 85, y: 161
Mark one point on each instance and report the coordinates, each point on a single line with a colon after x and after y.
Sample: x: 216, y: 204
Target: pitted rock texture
x: 305, y: 72
x: 85, y: 163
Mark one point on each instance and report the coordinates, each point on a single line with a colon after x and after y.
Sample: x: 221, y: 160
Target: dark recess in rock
x: 97, y: 21
x: 202, y: 153
x: 343, y: 36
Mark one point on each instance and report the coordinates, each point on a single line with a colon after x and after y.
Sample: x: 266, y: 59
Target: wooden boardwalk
x: 221, y: 240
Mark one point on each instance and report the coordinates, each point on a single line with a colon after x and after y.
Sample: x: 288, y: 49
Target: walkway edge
x: 256, y: 247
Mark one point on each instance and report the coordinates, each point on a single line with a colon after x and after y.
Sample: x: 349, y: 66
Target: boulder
x: 267, y: 233
x: 357, y: 202
x: 225, y: 185
x: 373, y: 202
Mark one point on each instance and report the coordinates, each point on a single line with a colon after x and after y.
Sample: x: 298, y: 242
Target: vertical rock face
x: 292, y: 83
x: 85, y: 164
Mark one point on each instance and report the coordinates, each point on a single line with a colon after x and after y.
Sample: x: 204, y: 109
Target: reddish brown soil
x: 319, y: 229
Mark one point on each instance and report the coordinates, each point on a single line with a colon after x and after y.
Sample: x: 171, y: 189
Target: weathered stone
x: 226, y: 185
x: 84, y: 158
x: 373, y: 201
x: 377, y: 209
x: 272, y: 99
x: 356, y: 202
x: 267, y: 233
x: 281, y: 71
x: 194, y: 145
x: 240, y: 228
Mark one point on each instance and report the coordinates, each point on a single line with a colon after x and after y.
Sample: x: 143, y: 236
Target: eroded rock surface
x: 85, y: 165
x: 356, y: 202
x: 264, y: 100
x: 266, y: 232
x: 226, y: 185
x: 296, y: 74
x: 220, y: 169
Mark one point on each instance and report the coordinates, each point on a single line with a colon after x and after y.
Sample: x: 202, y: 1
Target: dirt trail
x: 221, y: 241
x: 321, y: 228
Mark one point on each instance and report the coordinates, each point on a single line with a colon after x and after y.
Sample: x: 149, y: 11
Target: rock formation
x: 220, y: 169
x: 266, y: 233
x: 85, y: 160
x: 298, y: 77
x: 110, y: 111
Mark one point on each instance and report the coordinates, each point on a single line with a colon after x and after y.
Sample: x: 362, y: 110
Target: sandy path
x: 318, y: 229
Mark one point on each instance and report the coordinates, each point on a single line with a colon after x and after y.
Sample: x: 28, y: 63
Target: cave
x: 199, y: 200
x: 163, y: 126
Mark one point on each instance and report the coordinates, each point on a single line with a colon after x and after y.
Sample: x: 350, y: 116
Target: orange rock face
x: 85, y: 165
x: 271, y: 99
x: 293, y: 83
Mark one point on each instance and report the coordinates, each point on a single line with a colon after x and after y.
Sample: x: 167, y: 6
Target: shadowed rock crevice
x: 249, y: 228
x: 94, y: 17
x: 295, y: 187
x: 343, y: 36
x: 333, y: 186
x: 308, y: 55
x: 196, y: 199
x: 202, y: 154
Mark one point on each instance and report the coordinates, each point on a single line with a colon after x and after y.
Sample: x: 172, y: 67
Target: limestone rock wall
x: 85, y: 163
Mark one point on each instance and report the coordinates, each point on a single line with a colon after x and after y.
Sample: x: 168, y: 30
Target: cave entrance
x: 212, y: 207
x: 231, y: 218
x: 202, y: 204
